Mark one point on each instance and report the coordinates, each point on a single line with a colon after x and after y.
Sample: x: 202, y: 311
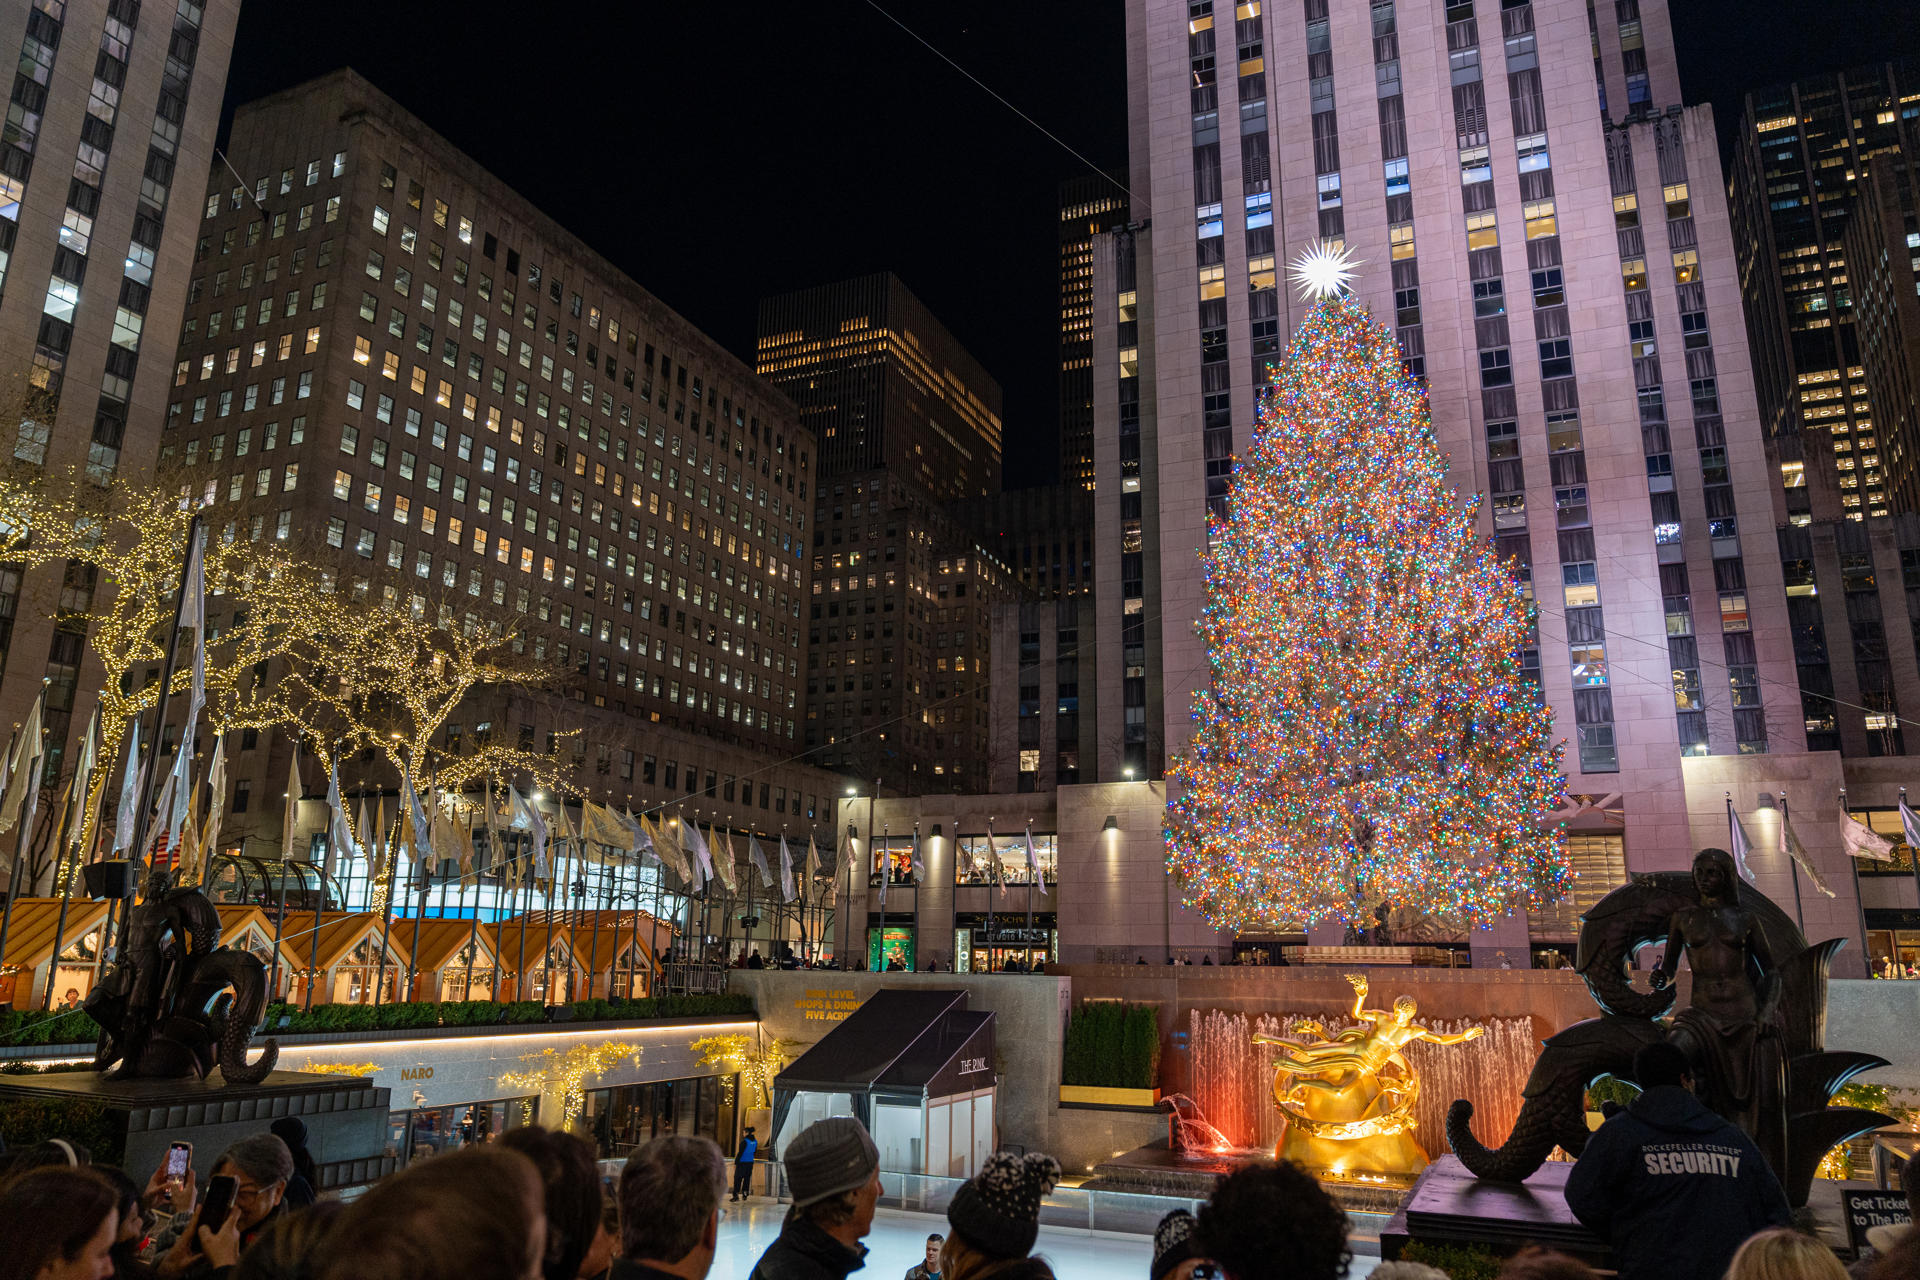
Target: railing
x: 688, y: 979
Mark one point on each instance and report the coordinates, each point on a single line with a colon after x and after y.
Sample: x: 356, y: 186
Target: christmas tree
x: 1369, y: 736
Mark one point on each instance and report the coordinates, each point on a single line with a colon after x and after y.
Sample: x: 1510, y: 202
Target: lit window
x: 1626, y: 210
x: 1260, y: 272
x: 1686, y: 266
x: 1540, y: 219
x: 1481, y: 231
x: 1213, y: 282
x: 1633, y: 273
x: 1678, y: 205
x: 1400, y: 240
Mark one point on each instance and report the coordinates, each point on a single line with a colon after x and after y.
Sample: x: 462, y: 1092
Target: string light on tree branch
x: 1369, y: 735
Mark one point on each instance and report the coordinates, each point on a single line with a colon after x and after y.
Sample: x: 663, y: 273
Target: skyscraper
x: 108, y: 139
x: 1554, y: 255
x: 395, y: 361
x: 882, y: 384
x: 1089, y: 204
x: 898, y: 624
x: 1801, y: 152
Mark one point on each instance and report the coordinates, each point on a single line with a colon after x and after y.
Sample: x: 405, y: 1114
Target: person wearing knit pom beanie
x: 995, y: 1217
x: 833, y: 1171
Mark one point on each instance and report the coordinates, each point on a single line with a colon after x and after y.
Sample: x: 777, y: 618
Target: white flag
x: 130, y: 777
x: 1909, y: 825
x: 216, y: 804
x: 915, y: 860
x: 1033, y: 862
x: 758, y: 857
x: 786, y: 870
x: 422, y: 851
x: 1863, y: 841
x: 527, y: 818
x: 339, y: 829
x: 694, y: 843
x: 290, y: 821
x: 29, y: 811
x: 1790, y: 845
x: 1738, y: 836
x: 21, y: 779
x: 77, y: 807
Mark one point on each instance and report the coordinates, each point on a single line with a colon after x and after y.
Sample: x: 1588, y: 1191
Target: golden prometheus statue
x: 1349, y: 1099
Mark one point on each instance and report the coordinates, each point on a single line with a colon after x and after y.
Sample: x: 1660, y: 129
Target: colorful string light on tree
x: 1369, y: 735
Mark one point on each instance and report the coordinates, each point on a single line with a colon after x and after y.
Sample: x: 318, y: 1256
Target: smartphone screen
x: 179, y: 1160
x: 219, y: 1202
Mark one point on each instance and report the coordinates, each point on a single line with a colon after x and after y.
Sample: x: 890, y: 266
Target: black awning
x: 901, y: 1042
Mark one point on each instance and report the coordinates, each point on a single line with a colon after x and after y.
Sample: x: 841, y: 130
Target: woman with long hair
x: 1782, y: 1253
x: 57, y: 1224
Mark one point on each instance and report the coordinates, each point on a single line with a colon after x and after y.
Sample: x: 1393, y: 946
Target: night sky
x: 720, y: 152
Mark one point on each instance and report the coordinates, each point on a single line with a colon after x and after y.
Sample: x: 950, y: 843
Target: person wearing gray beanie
x: 833, y: 1172
x: 995, y: 1217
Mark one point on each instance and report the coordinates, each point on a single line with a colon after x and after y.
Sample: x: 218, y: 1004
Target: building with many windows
x: 392, y: 359
x: 1800, y: 155
x: 881, y: 384
x: 899, y: 637
x: 1089, y: 205
x: 108, y: 140
x: 903, y: 590
x: 1542, y: 222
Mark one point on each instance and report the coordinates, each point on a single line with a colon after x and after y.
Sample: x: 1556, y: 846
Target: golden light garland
x: 757, y: 1066
x: 564, y: 1075
x: 339, y: 1068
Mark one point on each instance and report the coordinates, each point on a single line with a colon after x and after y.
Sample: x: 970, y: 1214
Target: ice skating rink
x: 898, y: 1242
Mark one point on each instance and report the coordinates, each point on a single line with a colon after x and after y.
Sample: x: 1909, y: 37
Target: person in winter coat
x: 833, y: 1170
x: 1673, y: 1187
x: 303, y: 1186
x: 995, y: 1220
x: 743, y: 1166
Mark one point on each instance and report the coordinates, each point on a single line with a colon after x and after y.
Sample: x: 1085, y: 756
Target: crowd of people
x: 1675, y: 1191
x: 1891, y: 968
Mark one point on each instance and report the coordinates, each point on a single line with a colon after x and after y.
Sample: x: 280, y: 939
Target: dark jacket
x: 805, y: 1252
x: 1674, y: 1188
x: 623, y: 1269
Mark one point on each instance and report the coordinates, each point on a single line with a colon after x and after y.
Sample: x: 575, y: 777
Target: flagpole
x: 27, y: 819
x: 916, y: 891
x: 136, y: 851
x: 546, y: 956
x: 1913, y: 854
x: 1859, y: 907
x: 393, y: 886
x: 426, y: 882
x: 60, y: 844
x: 993, y: 854
x: 280, y: 911
x: 526, y: 914
x: 873, y: 802
x: 593, y: 952
x: 1032, y: 873
x: 1793, y: 868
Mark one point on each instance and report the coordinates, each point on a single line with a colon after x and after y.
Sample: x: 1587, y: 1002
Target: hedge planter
x: 1090, y: 1095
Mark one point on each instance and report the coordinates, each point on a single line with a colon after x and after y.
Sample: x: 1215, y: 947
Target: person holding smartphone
x: 243, y: 1197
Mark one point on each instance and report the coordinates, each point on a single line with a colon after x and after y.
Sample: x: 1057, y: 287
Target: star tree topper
x: 1323, y: 270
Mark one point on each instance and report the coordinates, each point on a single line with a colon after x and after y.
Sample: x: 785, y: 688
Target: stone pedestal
x: 1448, y: 1205
x: 346, y: 1118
